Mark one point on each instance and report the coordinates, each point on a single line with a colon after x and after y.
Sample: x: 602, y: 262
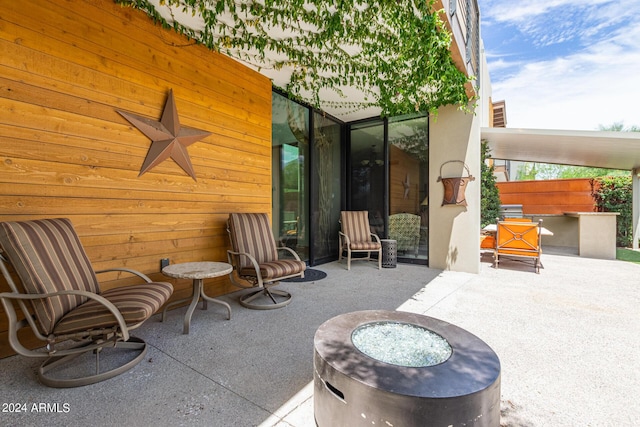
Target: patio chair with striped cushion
x: 61, y: 289
x: 356, y: 237
x: 254, y: 257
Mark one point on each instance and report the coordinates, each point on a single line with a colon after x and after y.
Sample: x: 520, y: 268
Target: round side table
x: 197, y: 271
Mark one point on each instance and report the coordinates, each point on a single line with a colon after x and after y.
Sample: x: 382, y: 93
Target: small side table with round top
x: 197, y: 271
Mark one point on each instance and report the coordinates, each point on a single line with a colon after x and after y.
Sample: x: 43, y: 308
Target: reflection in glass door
x: 290, y: 145
x: 408, y: 186
x: 326, y: 186
x: 367, y: 172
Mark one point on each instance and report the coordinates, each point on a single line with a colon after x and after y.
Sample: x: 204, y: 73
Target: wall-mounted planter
x: 455, y: 186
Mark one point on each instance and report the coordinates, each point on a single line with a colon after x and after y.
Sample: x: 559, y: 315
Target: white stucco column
x: 454, y: 231
x: 635, y: 209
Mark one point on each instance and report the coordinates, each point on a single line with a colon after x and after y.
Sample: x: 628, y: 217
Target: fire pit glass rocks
x: 391, y: 368
x: 401, y: 344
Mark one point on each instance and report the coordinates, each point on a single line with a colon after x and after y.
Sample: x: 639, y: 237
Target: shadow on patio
x: 568, y: 339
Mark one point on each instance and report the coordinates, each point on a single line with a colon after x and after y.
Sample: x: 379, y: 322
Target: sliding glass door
x: 367, y: 172
x: 307, y: 180
x: 290, y: 165
x: 388, y: 170
x: 383, y: 169
x: 326, y: 187
x: 408, y: 223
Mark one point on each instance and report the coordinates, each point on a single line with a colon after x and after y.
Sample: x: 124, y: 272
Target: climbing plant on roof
x: 400, y: 48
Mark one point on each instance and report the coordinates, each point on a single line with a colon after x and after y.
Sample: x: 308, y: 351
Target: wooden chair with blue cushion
x: 255, y: 261
x: 61, y: 300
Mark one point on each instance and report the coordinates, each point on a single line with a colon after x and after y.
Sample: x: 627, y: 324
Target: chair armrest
x: 102, y: 300
x: 14, y: 324
x: 291, y: 251
x: 230, y: 255
x: 126, y: 270
x: 251, y: 258
x: 375, y: 237
x: 347, y: 240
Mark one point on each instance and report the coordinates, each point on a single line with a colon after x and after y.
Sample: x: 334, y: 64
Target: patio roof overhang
x: 344, y: 102
x: 611, y: 150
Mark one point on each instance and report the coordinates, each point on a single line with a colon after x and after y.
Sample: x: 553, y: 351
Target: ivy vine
x: 395, y: 52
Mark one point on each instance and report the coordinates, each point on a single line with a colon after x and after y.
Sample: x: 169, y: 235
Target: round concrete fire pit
x: 391, y: 368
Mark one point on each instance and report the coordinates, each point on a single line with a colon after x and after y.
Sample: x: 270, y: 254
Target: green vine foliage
x: 615, y: 194
x: 396, y: 52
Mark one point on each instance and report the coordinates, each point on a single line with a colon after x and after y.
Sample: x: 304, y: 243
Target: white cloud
x: 523, y: 11
x: 582, y: 91
x: 596, y: 84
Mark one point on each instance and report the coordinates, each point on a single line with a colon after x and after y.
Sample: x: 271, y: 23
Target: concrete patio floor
x: 568, y: 341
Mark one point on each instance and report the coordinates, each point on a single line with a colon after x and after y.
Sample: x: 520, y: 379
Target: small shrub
x: 489, y: 194
x: 614, y: 194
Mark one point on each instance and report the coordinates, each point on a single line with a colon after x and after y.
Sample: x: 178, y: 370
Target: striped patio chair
x: 254, y: 257
x: 356, y: 237
x: 61, y: 289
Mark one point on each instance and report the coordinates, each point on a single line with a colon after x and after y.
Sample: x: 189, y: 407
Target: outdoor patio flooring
x: 568, y: 341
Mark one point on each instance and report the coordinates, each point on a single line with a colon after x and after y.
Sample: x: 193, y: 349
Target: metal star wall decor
x: 169, y: 139
x: 407, y: 186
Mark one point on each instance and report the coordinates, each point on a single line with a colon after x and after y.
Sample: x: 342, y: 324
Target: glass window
x: 367, y: 172
x: 290, y: 142
x: 408, y: 185
x: 326, y: 186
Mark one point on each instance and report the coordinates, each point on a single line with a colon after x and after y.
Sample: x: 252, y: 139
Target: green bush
x: 614, y: 194
x: 489, y: 194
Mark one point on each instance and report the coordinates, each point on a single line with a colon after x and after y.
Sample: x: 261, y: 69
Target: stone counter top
x: 197, y: 270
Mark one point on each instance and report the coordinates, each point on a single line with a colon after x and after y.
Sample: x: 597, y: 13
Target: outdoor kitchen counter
x: 596, y: 233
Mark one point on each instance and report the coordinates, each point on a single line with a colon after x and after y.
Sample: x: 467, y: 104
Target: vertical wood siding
x: 403, y: 166
x: 66, y: 67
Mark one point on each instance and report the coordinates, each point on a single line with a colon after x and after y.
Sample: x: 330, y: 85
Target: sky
x: 564, y: 64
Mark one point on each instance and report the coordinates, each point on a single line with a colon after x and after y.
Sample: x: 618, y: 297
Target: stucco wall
x: 454, y: 232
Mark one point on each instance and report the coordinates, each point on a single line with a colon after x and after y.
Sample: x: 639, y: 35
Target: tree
x: 614, y: 194
x: 532, y: 171
x: 619, y: 127
x: 527, y: 171
x: 489, y: 194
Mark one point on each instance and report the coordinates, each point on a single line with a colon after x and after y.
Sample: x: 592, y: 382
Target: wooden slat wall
x: 402, y: 165
x: 554, y: 196
x: 66, y: 67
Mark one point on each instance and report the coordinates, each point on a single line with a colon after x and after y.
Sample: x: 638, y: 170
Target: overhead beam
x: 601, y: 149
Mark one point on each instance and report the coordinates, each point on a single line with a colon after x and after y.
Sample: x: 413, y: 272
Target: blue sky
x: 564, y: 64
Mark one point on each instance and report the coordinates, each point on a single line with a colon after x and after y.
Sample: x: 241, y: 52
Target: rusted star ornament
x: 407, y: 186
x: 169, y: 139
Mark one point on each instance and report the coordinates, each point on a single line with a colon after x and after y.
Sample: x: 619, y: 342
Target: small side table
x: 197, y: 271
x: 389, y: 253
